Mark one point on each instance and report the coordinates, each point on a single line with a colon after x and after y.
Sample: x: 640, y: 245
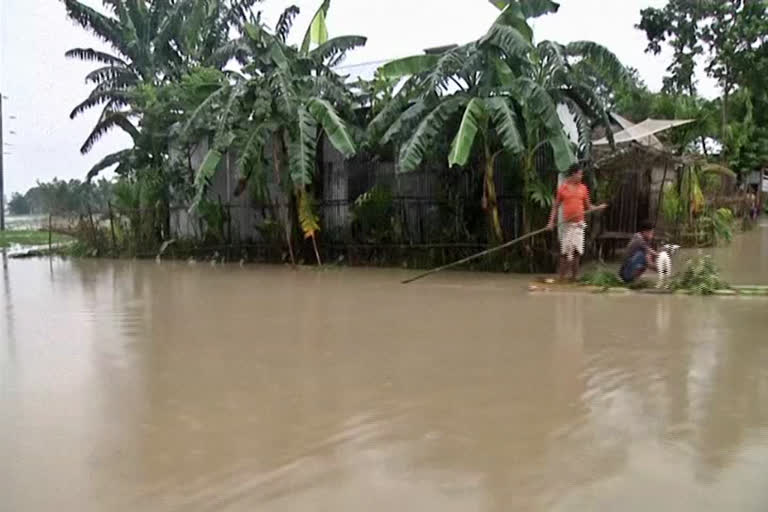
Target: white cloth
x: 573, y: 239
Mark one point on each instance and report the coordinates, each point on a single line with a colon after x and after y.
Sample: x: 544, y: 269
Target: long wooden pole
x: 489, y: 251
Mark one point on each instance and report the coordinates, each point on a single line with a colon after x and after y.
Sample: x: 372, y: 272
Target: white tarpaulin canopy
x: 643, y: 133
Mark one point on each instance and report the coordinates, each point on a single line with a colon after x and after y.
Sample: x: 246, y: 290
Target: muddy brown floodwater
x: 136, y: 386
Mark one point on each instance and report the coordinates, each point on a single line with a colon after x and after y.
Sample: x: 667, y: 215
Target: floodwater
x: 130, y: 386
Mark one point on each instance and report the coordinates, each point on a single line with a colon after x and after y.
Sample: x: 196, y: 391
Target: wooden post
x: 661, y: 192
x: 112, y: 228
x: 50, y: 232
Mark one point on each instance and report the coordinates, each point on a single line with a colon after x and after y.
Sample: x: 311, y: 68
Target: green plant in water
x: 715, y: 227
x: 603, y: 277
x: 215, y: 218
x: 373, y: 213
x: 701, y: 276
x: 137, y: 202
x: 671, y: 206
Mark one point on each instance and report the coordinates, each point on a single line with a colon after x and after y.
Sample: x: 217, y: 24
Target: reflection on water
x: 136, y: 386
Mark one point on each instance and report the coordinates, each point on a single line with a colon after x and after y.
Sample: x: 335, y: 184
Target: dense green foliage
x: 190, y: 77
x: 60, y: 197
x: 165, y: 85
x: 19, y: 205
x: 498, y: 96
x: 283, y: 99
x: 689, y: 210
x: 731, y: 37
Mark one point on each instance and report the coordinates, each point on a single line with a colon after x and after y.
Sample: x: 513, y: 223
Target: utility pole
x: 2, y: 188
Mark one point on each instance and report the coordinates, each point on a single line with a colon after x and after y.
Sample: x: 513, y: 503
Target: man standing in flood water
x: 573, y: 195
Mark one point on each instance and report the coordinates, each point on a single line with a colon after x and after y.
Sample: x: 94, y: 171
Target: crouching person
x: 639, y: 256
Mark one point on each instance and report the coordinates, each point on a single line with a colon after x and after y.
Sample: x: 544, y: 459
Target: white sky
x: 43, y: 87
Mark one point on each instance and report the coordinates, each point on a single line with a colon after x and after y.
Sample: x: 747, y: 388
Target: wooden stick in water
x: 491, y: 250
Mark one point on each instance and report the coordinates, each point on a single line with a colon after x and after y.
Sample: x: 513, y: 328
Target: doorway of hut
x: 629, y: 206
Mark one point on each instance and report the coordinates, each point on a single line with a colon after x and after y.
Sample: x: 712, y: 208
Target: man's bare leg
x: 575, y: 268
x: 563, y: 268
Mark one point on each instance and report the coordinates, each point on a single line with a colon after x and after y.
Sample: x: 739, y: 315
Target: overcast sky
x: 43, y: 87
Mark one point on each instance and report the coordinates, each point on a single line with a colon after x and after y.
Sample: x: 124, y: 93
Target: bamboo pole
x: 491, y: 250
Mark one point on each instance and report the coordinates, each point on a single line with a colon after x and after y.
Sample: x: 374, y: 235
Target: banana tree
x: 502, y: 70
x: 696, y: 179
x: 151, y: 44
x: 689, y: 203
x: 276, y: 111
x: 490, y: 125
x: 565, y: 72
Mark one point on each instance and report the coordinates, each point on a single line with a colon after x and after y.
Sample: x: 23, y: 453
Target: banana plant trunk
x: 317, y: 253
x: 528, y: 171
x: 491, y: 200
x: 284, y: 199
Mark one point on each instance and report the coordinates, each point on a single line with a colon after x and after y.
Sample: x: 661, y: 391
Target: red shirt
x: 573, y: 198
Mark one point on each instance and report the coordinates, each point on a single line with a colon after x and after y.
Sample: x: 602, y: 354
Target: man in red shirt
x: 573, y: 195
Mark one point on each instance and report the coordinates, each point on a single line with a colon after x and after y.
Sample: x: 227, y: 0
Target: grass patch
x: 29, y: 238
x: 603, y: 277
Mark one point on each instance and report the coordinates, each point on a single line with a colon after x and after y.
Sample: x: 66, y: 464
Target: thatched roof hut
x: 632, y: 175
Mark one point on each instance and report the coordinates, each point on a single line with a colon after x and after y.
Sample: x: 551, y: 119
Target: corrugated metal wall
x: 418, y: 197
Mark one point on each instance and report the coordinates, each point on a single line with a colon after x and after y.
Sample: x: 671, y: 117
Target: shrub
x: 373, y: 215
x: 701, y: 276
x: 671, y: 205
x: 716, y: 226
x: 215, y: 217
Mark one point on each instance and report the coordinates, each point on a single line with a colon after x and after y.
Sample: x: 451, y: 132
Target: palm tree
x: 152, y: 42
x: 506, y: 91
x: 281, y: 104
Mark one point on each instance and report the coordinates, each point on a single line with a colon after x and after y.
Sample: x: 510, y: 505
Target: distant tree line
x: 61, y: 197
